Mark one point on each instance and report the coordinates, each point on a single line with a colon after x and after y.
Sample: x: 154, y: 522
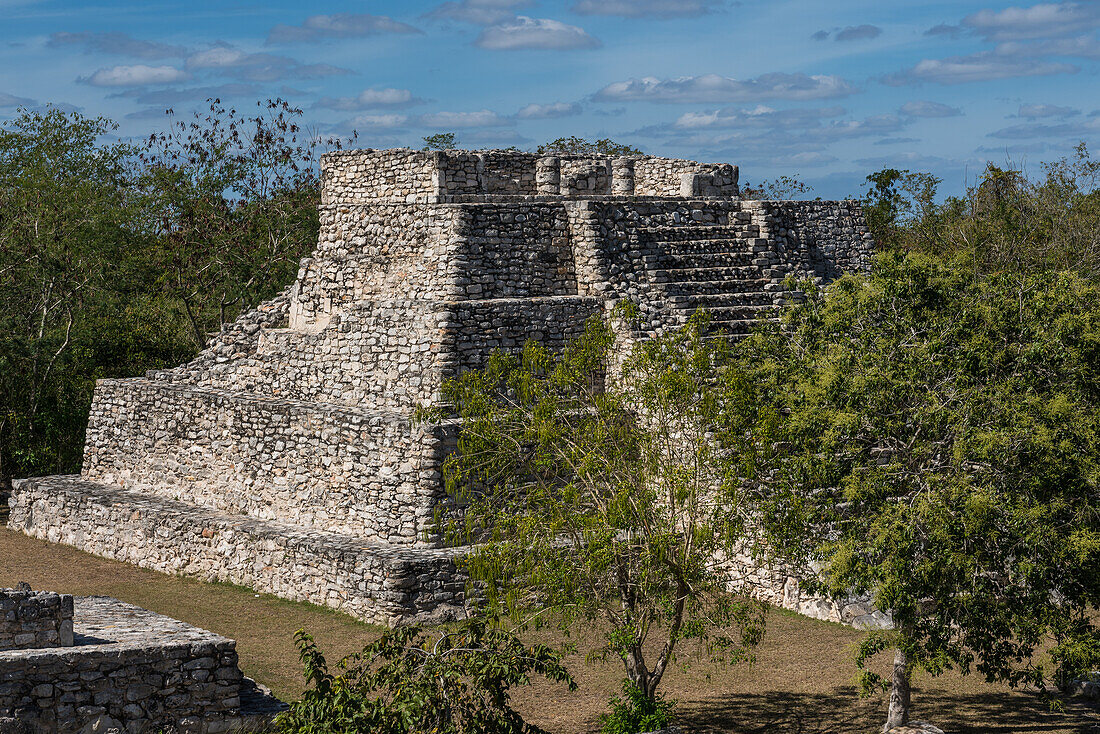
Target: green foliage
x: 231, y: 202
x: 457, y: 683
x: 1005, y: 222
x: 597, y: 498
x: 636, y: 713
x: 117, y: 259
x: 439, y: 141
x: 933, y: 441
x: 579, y: 146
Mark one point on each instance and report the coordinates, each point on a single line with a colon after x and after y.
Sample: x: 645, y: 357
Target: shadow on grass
x: 842, y: 712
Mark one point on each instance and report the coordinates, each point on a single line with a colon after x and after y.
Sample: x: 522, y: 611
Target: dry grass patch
x: 801, y: 683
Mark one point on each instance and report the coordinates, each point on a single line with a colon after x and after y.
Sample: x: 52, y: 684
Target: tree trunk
x: 899, y: 693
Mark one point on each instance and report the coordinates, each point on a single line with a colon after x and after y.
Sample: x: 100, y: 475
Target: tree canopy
x: 931, y: 439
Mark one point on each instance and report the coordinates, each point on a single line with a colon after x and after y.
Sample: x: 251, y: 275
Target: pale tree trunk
x: 899, y: 693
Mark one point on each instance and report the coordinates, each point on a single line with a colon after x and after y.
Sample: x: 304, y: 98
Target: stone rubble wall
x: 367, y: 474
x: 397, y: 175
x: 376, y: 251
x: 378, y: 583
x: 409, y: 176
x: 661, y: 176
x: 778, y: 584
x: 822, y: 239
x: 35, y: 619
x: 134, y: 670
x: 391, y: 355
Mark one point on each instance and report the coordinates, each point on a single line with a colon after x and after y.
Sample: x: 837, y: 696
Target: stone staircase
x: 725, y: 270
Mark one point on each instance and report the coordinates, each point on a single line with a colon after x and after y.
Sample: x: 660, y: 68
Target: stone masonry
x: 285, y: 457
x: 129, y: 670
x: 34, y: 619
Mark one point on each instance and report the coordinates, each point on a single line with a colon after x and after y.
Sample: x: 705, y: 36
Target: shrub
x: 637, y: 713
x: 410, y: 680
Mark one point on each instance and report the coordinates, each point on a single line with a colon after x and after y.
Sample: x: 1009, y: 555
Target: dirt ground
x: 802, y: 682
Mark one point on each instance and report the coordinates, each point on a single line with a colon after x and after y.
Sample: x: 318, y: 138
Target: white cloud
x: 717, y: 88
x: 858, y: 33
x: 10, y: 100
x: 1077, y: 130
x: 481, y: 118
x: 259, y: 67
x: 924, y: 108
x: 1084, y: 47
x: 135, y: 76
x: 646, y: 8
x: 117, y: 43
x: 339, y: 25
x: 1036, y: 111
x: 759, y: 117
x: 977, y: 67
x: 538, y: 33
x: 479, y: 12
x: 1045, y: 20
x: 388, y: 97
x: 378, y: 122
x: 548, y: 111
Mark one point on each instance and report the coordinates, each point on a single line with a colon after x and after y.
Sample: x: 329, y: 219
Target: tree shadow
x: 842, y: 712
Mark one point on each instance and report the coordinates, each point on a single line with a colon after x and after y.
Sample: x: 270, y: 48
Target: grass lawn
x: 801, y: 683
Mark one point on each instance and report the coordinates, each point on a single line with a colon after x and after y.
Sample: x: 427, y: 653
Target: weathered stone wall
x: 375, y: 582
x: 368, y: 474
x: 400, y: 174
x: 508, y: 172
x: 132, y: 669
x: 824, y: 239
x: 35, y: 619
x: 661, y: 176
x: 387, y: 354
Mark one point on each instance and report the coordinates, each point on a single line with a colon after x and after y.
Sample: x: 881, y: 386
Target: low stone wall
x: 368, y: 474
x: 378, y: 583
x: 34, y: 619
x: 661, y: 176
x: 130, y: 669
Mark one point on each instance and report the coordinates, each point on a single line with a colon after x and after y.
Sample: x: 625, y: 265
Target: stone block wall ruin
x: 285, y: 457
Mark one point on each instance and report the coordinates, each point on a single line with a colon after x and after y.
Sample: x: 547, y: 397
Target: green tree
x: 439, y: 141
x: 448, y: 682
x: 232, y: 201
x: 597, y: 498
x: 579, y: 146
x: 934, y: 444
x: 73, y: 306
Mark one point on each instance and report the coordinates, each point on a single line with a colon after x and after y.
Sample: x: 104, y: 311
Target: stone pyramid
x: 284, y: 457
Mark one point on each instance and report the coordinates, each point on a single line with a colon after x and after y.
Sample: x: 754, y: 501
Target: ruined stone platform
x: 286, y: 457
x: 377, y: 582
x: 132, y: 669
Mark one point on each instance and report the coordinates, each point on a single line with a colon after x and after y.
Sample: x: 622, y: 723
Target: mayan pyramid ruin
x: 284, y: 457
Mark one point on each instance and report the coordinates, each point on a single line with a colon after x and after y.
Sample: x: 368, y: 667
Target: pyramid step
x: 704, y: 275
x: 376, y: 582
x: 365, y: 473
x: 717, y: 287
x: 709, y: 301
x: 670, y: 233
x: 694, y: 260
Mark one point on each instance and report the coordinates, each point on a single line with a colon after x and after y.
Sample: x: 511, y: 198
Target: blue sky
x: 823, y: 91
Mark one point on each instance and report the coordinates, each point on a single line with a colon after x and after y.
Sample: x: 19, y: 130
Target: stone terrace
x: 133, y: 670
x: 284, y: 456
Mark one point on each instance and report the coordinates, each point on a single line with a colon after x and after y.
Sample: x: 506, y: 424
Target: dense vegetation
x: 116, y: 258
